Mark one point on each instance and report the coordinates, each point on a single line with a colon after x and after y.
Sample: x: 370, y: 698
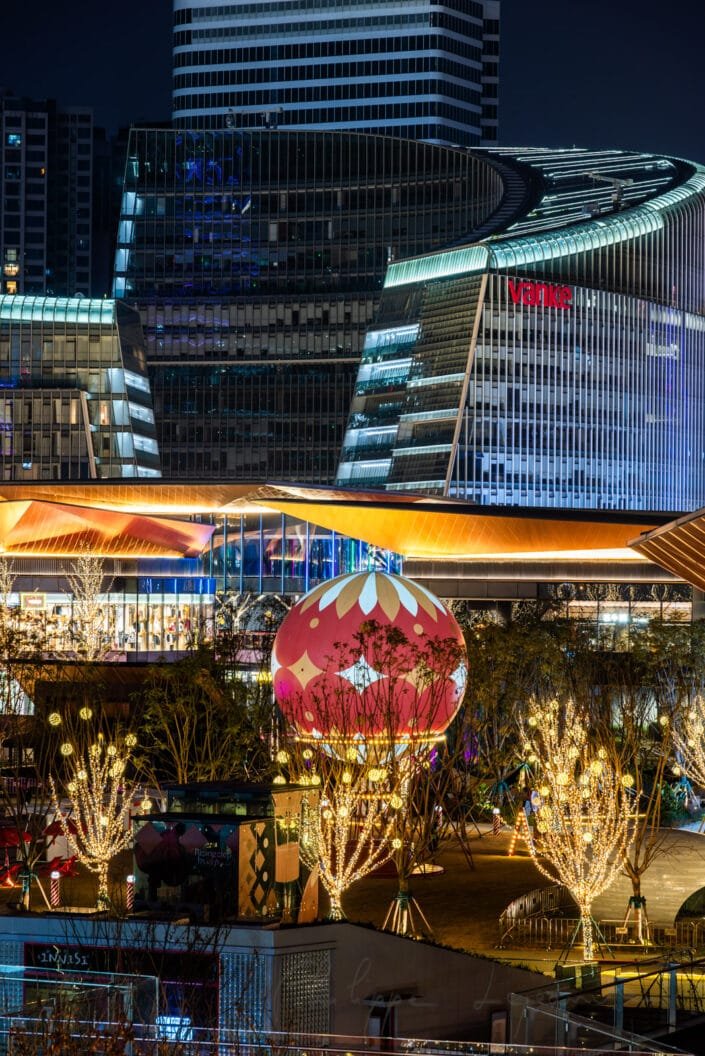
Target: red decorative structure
x: 369, y: 655
x: 130, y: 893
x: 55, y: 889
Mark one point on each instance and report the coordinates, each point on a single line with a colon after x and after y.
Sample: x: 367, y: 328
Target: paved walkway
x: 675, y: 874
x: 462, y: 906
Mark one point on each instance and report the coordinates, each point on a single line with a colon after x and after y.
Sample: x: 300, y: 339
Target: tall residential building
x: 45, y: 197
x: 418, y: 69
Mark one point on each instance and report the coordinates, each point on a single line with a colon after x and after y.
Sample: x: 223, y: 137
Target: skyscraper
x: 256, y: 260
x: 420, y: 70
x: 46, y: 197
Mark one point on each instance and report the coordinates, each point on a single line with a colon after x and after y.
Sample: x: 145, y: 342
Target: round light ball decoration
x: 369, y: 655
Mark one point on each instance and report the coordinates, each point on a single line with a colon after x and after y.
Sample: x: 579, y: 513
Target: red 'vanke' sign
x: 544, y: 293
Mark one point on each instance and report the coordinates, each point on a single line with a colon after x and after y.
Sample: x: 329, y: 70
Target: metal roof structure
x: 40, y: 528
x: 144, y: 519
x: 678, y: 546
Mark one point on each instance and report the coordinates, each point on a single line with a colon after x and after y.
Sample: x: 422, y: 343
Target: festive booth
x: 223, y: 851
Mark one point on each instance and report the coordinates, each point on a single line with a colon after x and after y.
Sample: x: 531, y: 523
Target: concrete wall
x: 322, y: 978
x: 436, y: 993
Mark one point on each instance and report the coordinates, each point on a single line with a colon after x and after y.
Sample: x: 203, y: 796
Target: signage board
x: 543, y: 294
x: 33, y: 602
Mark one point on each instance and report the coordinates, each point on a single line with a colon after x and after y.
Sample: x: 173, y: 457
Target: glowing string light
x: 689, y: 742
x: 100, y: 801
x: 583, y: 821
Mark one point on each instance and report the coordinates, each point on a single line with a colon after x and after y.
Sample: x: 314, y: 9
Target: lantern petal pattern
x: 369, y: 655
x: 361, y: 675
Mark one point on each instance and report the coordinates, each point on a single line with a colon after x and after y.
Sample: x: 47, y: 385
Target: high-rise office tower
x: 419, y: 69
x: 256, y: 260
x: 46, y: 197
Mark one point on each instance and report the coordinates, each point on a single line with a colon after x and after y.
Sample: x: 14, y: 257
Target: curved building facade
x: 560, y: 360
x: 75, y: 401
x: 257, y: 260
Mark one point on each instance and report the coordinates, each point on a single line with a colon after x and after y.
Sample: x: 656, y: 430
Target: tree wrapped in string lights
x: 348, y: 817
x: 689, y: 741
x: 86, y: 577
x: 99, y: 790
x: 585, y: 813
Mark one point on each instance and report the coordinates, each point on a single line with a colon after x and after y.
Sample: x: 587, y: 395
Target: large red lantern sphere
x: 369, y: 655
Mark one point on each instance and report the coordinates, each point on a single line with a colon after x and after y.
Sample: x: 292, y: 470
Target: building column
x: 698, y: 610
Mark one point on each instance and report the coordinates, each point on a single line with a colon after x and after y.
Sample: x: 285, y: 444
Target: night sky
x: 596, y: 73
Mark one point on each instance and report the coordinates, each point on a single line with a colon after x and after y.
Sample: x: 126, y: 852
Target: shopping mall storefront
x: 160, y: 607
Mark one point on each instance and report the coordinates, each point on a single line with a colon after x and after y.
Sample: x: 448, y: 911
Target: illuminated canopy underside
x: 142, y: 520
x: 49, y: 529
x: 434, y: 531
x: 678, y: 547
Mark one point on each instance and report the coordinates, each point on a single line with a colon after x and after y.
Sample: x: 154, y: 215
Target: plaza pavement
x: 463, y: 905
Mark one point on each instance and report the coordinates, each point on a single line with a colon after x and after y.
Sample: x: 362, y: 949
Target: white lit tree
x: 585, y: 815
x: 99, y: 791
x: 21, y: 648
x: 689, y: 741
x: 86, y: 577
x: 348, y: 818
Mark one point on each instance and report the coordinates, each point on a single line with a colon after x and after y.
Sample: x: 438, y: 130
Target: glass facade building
x: 419, y: 69
x: 75, y: 402
x: 256, y: 260
x: 559, y: 362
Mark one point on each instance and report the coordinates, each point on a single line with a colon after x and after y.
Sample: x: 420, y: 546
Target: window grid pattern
x: 263, y: 421
x: 238, y: 41
x: 254, y: 76
x: 12, y: 996
x: 244, y: 993
x: 257, y: 261
x: 46, y: 198
x: 595, y: 406
x: 414, y: 372
x: 75, y: 400
x: 225, y: 213
x: 596, y: 403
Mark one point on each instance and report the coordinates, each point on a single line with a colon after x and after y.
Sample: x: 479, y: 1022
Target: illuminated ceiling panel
x: 50, y: 529
x: 134, y: 519
x: 434, y: 531
x: 138, y: 497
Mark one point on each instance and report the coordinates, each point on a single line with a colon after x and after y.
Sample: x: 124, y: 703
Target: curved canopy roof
x: 40, y: 528
x: 147, y: 519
